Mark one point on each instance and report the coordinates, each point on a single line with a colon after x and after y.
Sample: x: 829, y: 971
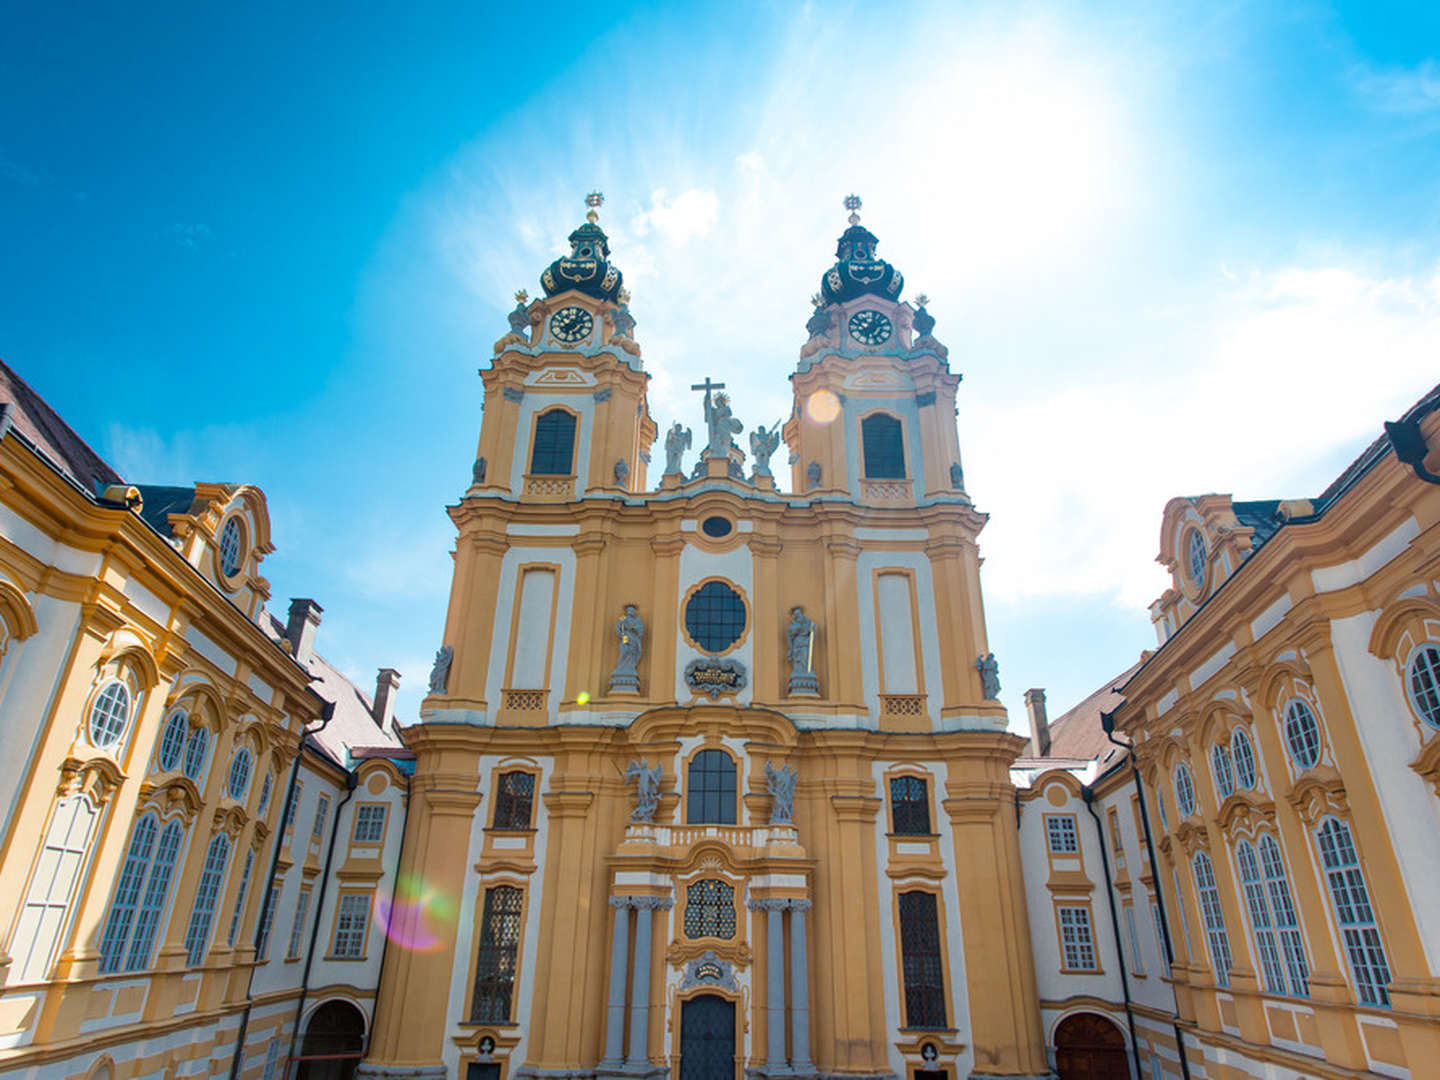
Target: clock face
x: 571, y: 324
x: 869, y: 327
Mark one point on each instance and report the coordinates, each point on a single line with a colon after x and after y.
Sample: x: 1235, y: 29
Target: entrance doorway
x: 707, y: 1038
x: 1089, y: 1047
x: 334, y: 1040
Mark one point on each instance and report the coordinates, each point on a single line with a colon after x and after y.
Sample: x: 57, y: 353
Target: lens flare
x: 413, y: 916
x: 822, y: 406
x: 582, y: 698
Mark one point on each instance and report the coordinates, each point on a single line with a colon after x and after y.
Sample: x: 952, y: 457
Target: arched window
x: 1424, y: 679
x: 1261, y: 920
x: 554, y: 450
x: 1214, y: 915
x: 1184, y: 790
x: 1242, y: 752
x: 711, y: 789
x: 239, y: 778
x: 1302, y: 734
x: 1224, y: 774
x: 140, y: 897
x: 884, y: 446
x: 1292, y: 941
x: 1358, y: 927
x: 207, y: 895
x: 196, y: 749
x: 910, y: 806
x: 172, y: 742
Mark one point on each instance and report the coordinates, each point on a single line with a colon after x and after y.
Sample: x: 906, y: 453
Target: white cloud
x: 1400, y: 90
x: 688, y: 215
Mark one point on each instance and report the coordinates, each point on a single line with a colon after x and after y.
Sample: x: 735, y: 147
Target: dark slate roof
x: 34, y: 420
x: 160, y: 501
x: 1374, y: 452
x: 1258, y: 514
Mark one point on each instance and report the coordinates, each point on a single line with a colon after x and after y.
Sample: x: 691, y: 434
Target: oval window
x: 716, y: 527
x: 715, y: 616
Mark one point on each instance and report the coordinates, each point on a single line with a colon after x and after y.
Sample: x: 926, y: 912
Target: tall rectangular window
x: 1351, y: 899
x: 267, y: 921
x: 52, y: 887
x: 293, y: 805
x: 297, y: 928
x: 1077, y: 943
x: 513, y: 800
x: 1060, y: 835
x: 1214, y: 915
x: 1160, y: 936
x: 207, y: 895
x: 322, y: 811
x: 899, y: 674
x: 239, y: 912
x: 883, y: 443
x: 495, y: 965
x: 554, y: 450
x: 921, y: 961
x: 369, y: 823
x: 350, y: 924
x: 530, y: 666
x: 1137, y: 962
x: 1287, y: 923
x: 1117, y: 842
x: 909, y: 806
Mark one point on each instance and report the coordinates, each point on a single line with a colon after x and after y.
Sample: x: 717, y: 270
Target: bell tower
x: 565, y: 410
x: 874, y: 395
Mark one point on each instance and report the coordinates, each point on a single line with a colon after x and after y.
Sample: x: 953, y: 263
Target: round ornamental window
x: 1195, y: 556
x: 109, y: 714
x: 1424, y: 680
x: 195, y: 751
x: 1184, y: 790
x: 231, y: 545
x: 715, y: 617
x: 239, y: 773
x: 1302, y: 734
x: 172, y: 743
x: 716, y: 527
x: 1243, y: 754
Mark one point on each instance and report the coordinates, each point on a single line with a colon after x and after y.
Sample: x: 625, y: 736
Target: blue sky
x: 1172, y: 251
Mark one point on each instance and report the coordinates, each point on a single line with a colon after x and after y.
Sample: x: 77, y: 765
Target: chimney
x: 1039, y: 723
x: 387, y: 684
x: 300, y: 629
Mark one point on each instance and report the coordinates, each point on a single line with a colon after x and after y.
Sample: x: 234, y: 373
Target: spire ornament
x: 852, y: 203
x: 594, y: 201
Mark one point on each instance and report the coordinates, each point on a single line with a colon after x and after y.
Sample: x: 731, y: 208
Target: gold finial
x: 594, y: 201
x: 852, y: 203
x: 922, y: 300
x: 522, y: 296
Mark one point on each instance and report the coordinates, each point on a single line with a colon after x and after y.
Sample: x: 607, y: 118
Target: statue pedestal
x: 764, y: 483
x: 717, y: 468
x: 671, y: 480
x: 624, y: 683
x: 804, y: 686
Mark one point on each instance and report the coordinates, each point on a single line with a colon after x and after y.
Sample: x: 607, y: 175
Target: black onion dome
x: 586, y: 268
x: 858, y: 272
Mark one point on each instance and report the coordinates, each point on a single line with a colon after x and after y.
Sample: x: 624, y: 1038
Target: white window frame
x: 113, y: 721
x: 1287, y: 919
x: 59, y: 865
x: 352, y: 922
x: 172, y: 740
x: 1422, y: 682
x: 1302, y: 734
x: 1137, y: 961
x: 1350, y: 899
x: 1247, y: 775
x: 370, y: 823
x: 1216, y: 936
x: 238, y: 913
x: 1223, y: 770
x: 1077, y: 938
x: 297, y: 927
x: 207, y: 898
x: 1184, y: 791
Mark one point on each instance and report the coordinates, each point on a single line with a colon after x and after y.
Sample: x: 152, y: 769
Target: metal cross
x: 707, y: 386
x: 595, y: 200
x: 852, y: 203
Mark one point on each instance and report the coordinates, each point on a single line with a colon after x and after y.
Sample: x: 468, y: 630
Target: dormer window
x: 554, y: 450
x: 232, y: 547
x: 1195, y: 556
x: 884, y: 444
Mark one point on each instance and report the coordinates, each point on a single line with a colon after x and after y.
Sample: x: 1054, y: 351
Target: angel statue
x: 647, y: 789
x: 723, y: 426
x: 781, y: 785
x: 677, y: 441
x: 762, y: 445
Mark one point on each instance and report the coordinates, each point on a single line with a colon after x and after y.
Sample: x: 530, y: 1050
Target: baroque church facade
x: 711, y: 780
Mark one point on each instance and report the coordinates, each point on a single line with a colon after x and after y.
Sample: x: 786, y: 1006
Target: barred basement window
x: 1060, y: 834
x: 884, y: 447
x: 1351, y: 899
x: 514, y: 801
x: 350, y: 925
x: 495, y: 966
x: 920, y: 960
x: 709, y: 909
x: 369, y: 823
x: 207, y: 895
x: 1214, y: 915
x: 711, y: 789
x: 1076, y: 939
x: 554, y: 450
x: 909, y: 806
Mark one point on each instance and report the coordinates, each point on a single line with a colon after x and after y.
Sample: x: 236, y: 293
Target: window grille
x: 709, y: 909
x: 197, y: 747
x: 715, y: 616
x: 1266, y: 942
x: 909, y: 806
x: 230, y: 548
x: 495, y: 967
x: 369, y: 823
x: 514, y: 801
x: 239, y: 912
x: 1214, y: 916
x: 1224, y: 774
x: 1195, y: 553
x: 297, y: 928
x: 1076, y: 939
x: 711, y: 789
x: 52, y: 885
x: 239, y: 778
x: 322, y: 809
x: 1287, y: 923
x: 1424, y: 678
x: 1358, y: 926
x: 272, y: 1060
x: 293, y: 805
x: 172, y: 743
x: 920, y: 959
x: 1060, y: 834
x: 1302, y: 734
x: 109, y: 714
x: 1184, y: 790
x: 157, y: 889
x: 207, y: 895
x: 1242, y: 752
x: 127, y: 894
x: 554, y: 450
x: 350, y: 925
x: 884, y: 446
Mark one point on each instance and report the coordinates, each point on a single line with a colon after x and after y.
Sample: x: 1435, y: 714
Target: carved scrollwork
x: 707, y: 969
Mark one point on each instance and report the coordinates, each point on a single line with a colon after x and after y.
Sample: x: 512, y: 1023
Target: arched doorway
x: 334, y: 1040
x: 707, y: 1038
x: 1089, y: 1047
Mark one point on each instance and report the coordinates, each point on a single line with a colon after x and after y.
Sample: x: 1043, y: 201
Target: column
x: 619, y: 954
x: 799, y: 989
x: 775, y: 983
x: 640, y: 991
